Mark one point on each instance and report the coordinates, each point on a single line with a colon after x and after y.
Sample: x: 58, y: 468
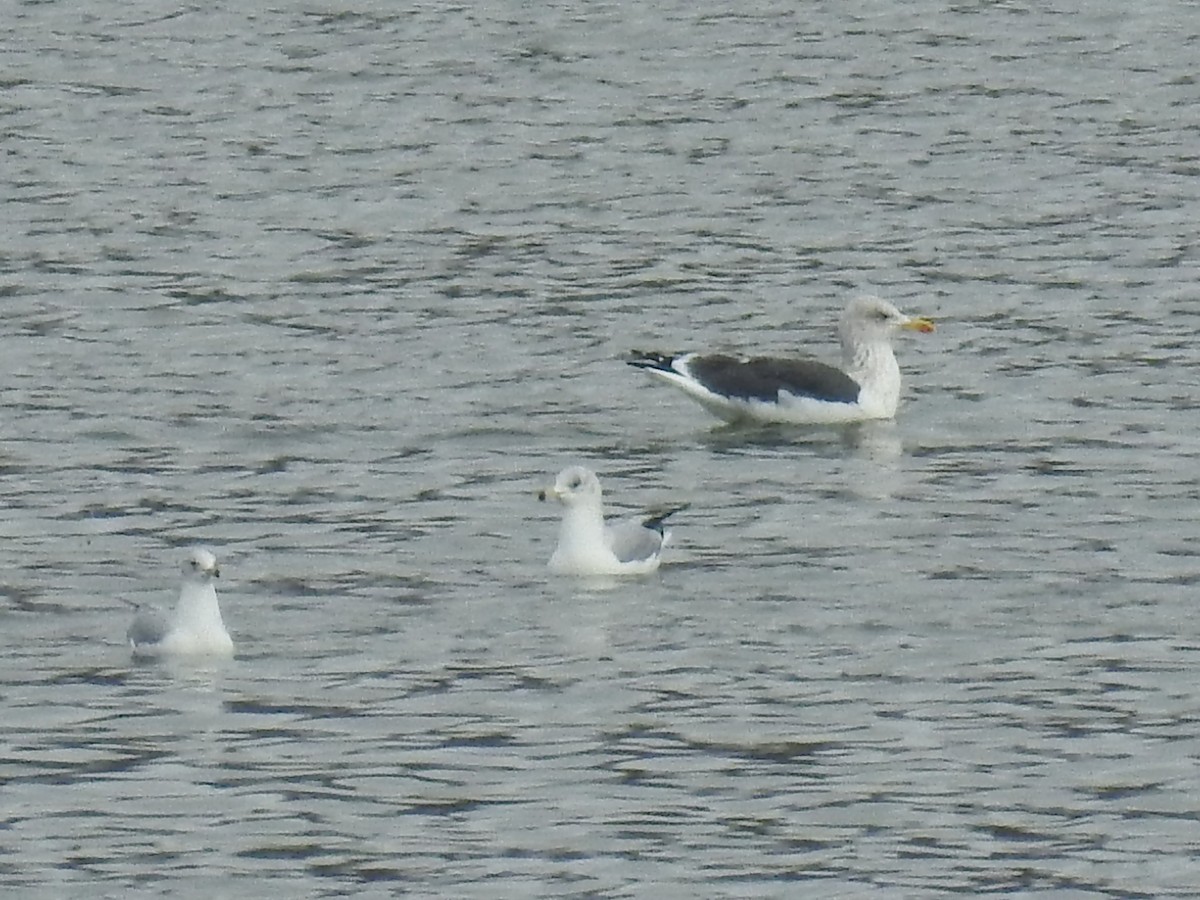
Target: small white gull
x: 195, y: 628
x: 799, y: 391
x: 586, y: 546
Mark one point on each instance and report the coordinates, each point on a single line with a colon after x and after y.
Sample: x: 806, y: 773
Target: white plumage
x: 587, y: 546
x: 799, y: 391
x: 195, y: 627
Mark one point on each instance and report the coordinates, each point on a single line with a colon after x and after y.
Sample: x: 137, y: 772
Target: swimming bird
x: 799, y: 391
x: 195, y: 628
x: 586, y: 546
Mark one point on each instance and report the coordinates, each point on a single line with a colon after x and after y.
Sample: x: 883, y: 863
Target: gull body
x: 797, y: 390
x: 195, y: 627
x: 589, y: 546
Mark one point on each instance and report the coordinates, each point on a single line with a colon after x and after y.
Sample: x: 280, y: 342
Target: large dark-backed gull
x: 799, y: 391
x: 586, y: 546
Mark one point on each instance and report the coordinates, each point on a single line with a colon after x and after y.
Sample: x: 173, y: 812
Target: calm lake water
x: 333, y: 288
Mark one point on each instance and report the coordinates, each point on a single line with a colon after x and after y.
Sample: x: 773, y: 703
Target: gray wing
x: 632, y: 541
x: 149, y: 626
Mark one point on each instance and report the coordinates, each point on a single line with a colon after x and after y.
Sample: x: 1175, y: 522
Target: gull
x: 799, y: 391
x: 586, y: 546
x: 195, y: 627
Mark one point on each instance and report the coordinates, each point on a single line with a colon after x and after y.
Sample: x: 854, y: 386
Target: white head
x: 868, y: 320
x: 574, y: 486
x: 200, y: 566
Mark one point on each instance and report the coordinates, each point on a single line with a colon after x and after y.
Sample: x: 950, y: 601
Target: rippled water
x: 334, y: 288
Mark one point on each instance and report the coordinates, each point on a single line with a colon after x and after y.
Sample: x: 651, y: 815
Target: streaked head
x: 200, y: 565
x: 867, y: 318
x: 574, y: 484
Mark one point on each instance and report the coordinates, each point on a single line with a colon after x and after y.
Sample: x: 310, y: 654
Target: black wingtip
x: 654, y: 518
x: 650, y: 359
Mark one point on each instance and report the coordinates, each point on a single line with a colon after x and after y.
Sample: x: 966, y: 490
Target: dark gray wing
x: 149, y: 626
x: 763, y: 377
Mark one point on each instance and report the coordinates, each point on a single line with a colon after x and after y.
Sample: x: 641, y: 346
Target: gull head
x: 872, y: 319
x: 200, y: 565
x: 574, y: 485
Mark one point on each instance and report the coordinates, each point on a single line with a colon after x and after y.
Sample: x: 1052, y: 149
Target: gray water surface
x: 334, y: 288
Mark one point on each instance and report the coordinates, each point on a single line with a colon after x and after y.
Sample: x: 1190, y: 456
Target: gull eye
x: 575, y: 481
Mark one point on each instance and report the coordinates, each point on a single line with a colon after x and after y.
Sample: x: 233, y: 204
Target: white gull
x: 195, y: 628
x: 587, y: 546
